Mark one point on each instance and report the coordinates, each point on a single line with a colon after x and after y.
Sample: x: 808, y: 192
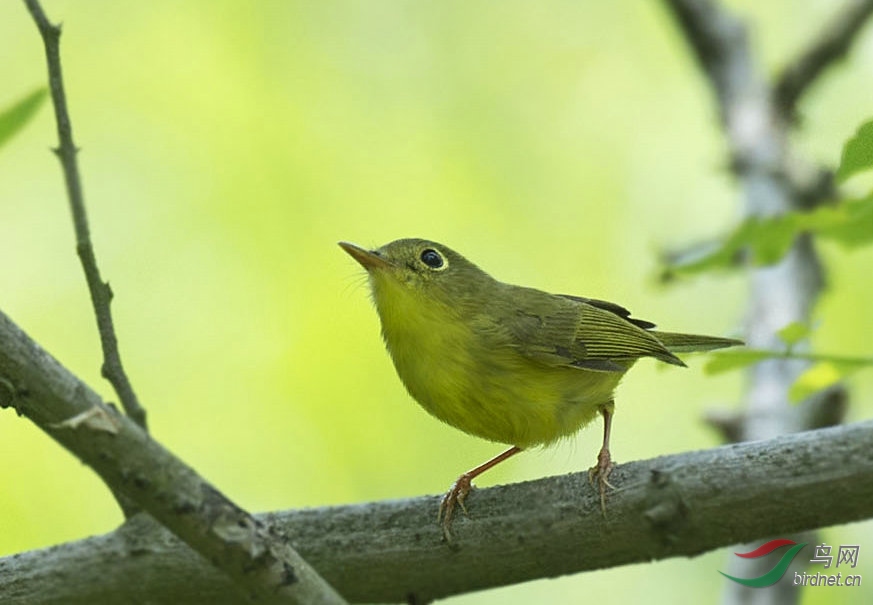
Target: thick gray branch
x: 672, y: 506
x: 260, y: 563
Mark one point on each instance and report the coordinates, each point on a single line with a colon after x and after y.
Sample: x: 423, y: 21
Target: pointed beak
x: 368, y: 260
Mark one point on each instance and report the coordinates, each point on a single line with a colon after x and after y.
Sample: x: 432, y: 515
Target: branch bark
x: 672, y: 506
x: 261, y: 564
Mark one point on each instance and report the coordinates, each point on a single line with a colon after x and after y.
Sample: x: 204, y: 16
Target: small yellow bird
x: 507, y: 363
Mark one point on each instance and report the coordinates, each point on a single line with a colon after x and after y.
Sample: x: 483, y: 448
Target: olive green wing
x: 568, y: 331
x: 673, y: 341
x: 606, y: 335
x: 612, y: 308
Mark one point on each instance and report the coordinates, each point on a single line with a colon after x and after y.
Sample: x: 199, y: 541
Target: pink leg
x: 460, y: 488
x: 604, y: 465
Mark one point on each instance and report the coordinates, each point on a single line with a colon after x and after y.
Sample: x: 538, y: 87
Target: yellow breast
x: 489, y: 391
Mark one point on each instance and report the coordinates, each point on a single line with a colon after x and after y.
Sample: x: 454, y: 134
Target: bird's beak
x: 369, y: 260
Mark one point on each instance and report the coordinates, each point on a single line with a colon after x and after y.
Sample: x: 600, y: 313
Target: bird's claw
x: 455, y: 496
x: 599, y: 473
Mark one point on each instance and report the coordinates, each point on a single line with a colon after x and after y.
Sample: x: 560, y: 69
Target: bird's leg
x: 603, y: 468
x: 460, y: 488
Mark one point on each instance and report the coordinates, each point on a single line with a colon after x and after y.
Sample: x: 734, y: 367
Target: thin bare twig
x: 101, y: 293
x: 833, y: 43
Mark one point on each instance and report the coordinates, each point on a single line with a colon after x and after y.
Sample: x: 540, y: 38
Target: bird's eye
x: 432, y: 258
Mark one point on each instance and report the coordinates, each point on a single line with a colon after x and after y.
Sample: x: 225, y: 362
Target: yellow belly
x: 515, y: 401
x: 494, y: 393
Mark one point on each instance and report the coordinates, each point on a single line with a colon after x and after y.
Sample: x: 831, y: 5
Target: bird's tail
x: 689, y: 343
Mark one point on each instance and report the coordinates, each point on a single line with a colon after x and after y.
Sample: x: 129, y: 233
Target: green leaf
x: 771, y: 239
x: 767, y: 240
x: 818, y: 377
x: 794, y: 333
x: 857, y: 153
x: 734, y: 360
x: 13, y: 118
x: 856, y: 225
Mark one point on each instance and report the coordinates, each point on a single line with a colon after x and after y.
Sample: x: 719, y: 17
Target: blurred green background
x: 227, y: 147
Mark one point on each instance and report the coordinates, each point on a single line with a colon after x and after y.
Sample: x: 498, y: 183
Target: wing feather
x: 578, y: 332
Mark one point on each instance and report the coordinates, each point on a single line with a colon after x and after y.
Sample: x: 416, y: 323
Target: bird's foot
x: 455, y: 496
x: 599, y: 473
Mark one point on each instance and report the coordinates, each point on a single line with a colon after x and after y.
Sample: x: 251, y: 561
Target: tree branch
x: 785, y: 292
x: 249, y: 551
x: 671, y: 506
x: 101, y: 293
x: 719, y: 43
x: 832, y: 44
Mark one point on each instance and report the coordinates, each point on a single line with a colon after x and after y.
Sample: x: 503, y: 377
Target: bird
x: 507, y: 363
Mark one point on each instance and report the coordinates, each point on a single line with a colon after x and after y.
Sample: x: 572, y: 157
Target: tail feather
x: 689, y: 343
